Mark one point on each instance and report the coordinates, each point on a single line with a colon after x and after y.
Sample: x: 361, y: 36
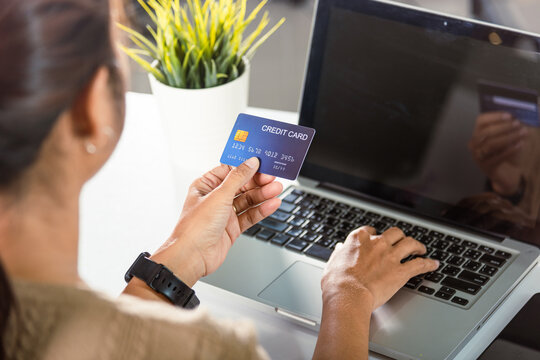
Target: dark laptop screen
x: 432, y: 113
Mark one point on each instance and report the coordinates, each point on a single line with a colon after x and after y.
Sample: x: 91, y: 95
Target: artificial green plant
x: 197, y: 45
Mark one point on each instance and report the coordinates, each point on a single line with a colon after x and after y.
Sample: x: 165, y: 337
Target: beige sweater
x: 61, y: 322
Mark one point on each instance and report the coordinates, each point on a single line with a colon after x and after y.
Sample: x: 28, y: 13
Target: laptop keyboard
x: 313, y: 225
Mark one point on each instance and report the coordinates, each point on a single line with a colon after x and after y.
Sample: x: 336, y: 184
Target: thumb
x: 239, y: 176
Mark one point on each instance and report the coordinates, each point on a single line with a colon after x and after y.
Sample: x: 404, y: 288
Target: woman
x: 61, y: 114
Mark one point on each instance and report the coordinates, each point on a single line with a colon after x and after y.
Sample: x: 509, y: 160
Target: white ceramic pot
x: 197, y: 122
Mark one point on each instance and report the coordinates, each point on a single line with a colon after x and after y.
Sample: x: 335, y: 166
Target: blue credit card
x: 522, y: 103
x: 280, y: 147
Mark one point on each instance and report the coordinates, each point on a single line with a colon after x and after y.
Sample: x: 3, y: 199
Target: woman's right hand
x: 367, y: 263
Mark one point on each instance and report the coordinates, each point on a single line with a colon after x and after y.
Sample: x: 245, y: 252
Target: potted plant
x: 198, y: 56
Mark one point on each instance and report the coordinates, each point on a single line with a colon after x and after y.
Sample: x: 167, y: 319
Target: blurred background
x: 277, y: 70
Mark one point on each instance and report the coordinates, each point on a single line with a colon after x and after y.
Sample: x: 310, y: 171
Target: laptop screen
x: 431, y: 113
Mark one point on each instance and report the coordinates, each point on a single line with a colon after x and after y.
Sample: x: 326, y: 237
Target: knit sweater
x: 63, y: 322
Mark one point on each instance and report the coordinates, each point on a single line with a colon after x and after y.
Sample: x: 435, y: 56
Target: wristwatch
x: 162, y: 280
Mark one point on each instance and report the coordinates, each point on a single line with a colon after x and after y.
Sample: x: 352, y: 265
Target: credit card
x: 280, y: 147
x: 522, y: 103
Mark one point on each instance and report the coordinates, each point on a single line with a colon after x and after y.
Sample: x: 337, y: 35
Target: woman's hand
x: 370, y: 263
x: 219, y: 206
x: 361, y: 275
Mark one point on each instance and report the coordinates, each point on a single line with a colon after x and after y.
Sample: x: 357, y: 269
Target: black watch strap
x: 162, y: 280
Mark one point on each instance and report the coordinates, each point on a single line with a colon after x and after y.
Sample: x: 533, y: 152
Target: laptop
x: 395, y: 94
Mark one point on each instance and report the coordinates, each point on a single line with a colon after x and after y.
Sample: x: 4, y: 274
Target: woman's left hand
x: 220, y: 205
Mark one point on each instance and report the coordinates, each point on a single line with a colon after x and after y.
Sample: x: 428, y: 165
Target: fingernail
x: 253, y: 162
x: 437, y: 262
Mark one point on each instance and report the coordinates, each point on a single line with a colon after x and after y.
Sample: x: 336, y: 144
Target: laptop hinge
x: 388, y: 204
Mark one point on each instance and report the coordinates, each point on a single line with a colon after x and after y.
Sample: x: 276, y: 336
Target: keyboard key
x: 310, y: 237
x: 306, y: 213
x: 460, y: 285
x: 317, y: 218
x: 472, y: 254
x: 472, y: 265
x: 440, y: 244
x: 342, y: 206
x: 335, y: 212
x: 297, y: 245
x: 488, y: 270
x: 380, y: 226
x: 439, y: 255
x: 280, y: 239
x: 350, y: 216
x: 426, y: 290
x: 321, y: 208
x: 306, y: 204
x: 346, y: 226
x: 436, y: 234
x: 455, y: 260
x: 389, y: 220
x: 291, y: 198
x: 460, y: 301
x: 312, y: 197
x: 327, y: 231
x: 298, y: 192
x: 492, y: 260
x: 451, y: 270
x: 503, y: 254
x: 280, y: 216
x: 453, y: 239
x: 331, y: 221
x: 327, y: 201
x: 420, y: 229
x: 403, y: 225
x: 357, y: 210
x: 371, y: 214
x: 473, y: 277
x: 274, y: 225
x: 297, y: 221
x: 265, y: 234
x: 486, y: 249
x: 413, y: 283
x: 295, y: 232
x: 340, y: 235
x: 319, y: 252
x: 434, y: 277
x: 425, y: 239
x: 443, y: 295
x: 469, y: 244
x: 446, y: 289
x: 456, y: 249
x: 325, y: 242
x: 287, y: 207
x: 252, y: 230
x: 314, y: 226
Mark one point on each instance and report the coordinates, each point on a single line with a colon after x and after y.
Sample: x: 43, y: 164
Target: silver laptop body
x: 422, y: 321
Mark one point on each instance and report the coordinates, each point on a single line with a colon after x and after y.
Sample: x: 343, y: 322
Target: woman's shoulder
x: 77, y: 320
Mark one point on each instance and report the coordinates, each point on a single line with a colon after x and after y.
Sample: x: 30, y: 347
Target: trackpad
x: 297, y: 290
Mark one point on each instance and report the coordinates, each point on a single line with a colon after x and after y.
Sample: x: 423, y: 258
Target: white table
x: 129, y: 207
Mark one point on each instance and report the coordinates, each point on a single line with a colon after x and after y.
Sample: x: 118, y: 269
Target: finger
x: 212, y: 179
x: 239, y: 176
x: 419, y: 266
x: 361, y: 234
x: 257, y: 181
x: 393, y: 235
x: 495, y: 146
x: 256, y: 196
x: 256, y: 214
x: 408, y: 246
x: 502, y: 128
x: 505, y: 155
x: 487, y: 119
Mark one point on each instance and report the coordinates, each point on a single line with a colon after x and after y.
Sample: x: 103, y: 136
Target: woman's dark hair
x: 49, y: 52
